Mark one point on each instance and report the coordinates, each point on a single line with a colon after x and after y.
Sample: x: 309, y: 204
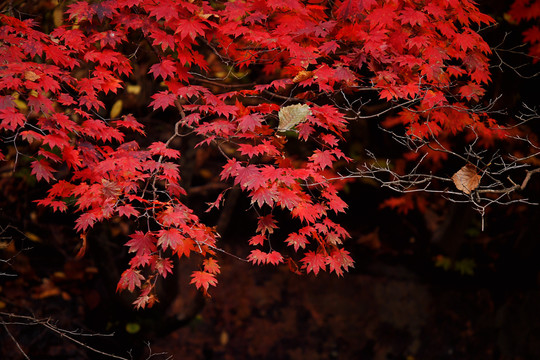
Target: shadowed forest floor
x: 396, y: 304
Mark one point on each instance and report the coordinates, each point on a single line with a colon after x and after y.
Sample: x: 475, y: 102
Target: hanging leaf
x: 292, y: 115
x: 466, y: 179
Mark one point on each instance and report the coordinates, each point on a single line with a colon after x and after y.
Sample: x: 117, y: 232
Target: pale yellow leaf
x: 116, y: 109
x: 292, y: 115
x: 133, y: 89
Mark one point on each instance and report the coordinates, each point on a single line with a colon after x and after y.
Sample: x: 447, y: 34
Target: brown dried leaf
x: 30, y: 75
x: 467, y: 179
x: 302, y: 75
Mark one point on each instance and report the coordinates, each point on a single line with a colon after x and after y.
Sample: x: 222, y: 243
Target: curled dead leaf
x: 302, y: 75
x: 466, y: 179
x: 82, y: 250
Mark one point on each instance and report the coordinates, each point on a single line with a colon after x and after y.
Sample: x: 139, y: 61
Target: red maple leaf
x: 163, y: 39
x: 170, y: 172
x: 160, y: 148
x: 163, y: 99
x: 266, y: 224
x: 163, y: 9
x: 42, y: 170
x: 257, y: 257
x: 257, y: 240
x: 465, y: 40
x: 314, y: 262
x: 249, y: 177
x: 163, y: 267
x: 339, y: 261
x: 56, y: 205
x: 413, y: 17
x: 211, y: 266
x: 297, y: 241
x: 129, y: 122
x: 288, y: 198
x: 203, y: 279
x: 130, y: 279
x: 80, y: 10
x: 141, y: 243
x: 11, y: 119
x: 166, y: 68
x: 322, y: 159
x: 185, y: 247
x: 190, y: 27
x: 249, y: 122
x: 329, y: 47
x: 85, y: 221
x: 61, y: 189
x: 170, y: 238
x: 263, y: 195
x: 274, y: 258
x: 59, y: 140
x: 144, y: 300
x: 71, y: 157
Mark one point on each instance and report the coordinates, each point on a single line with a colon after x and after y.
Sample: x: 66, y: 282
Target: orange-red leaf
x: 203, y: 279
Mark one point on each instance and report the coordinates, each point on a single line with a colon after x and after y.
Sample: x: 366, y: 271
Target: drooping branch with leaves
x: 272, y: 86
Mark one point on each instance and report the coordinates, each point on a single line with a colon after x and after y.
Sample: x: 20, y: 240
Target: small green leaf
x: 133, y: 328
x: 465, y: 266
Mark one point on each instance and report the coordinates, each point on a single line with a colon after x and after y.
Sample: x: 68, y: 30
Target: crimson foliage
x: 312, y: 58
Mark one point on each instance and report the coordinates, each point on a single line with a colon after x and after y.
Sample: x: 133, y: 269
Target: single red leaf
x: 190, y: 28
x: 264, y: 195
x: 266, y: 224
x: 85, y: 221
x: 11, y: 119
x: 314, y: 262
x: 166, y: 68
x: 130, y: 279
x: 257, y: 257
x: 163, y: 267
x: 322, y: 159
x: 129, y: 122
x: 142, y: 243
x: 329, y: 47
x: 274, y: 258
x: 163, y: 99
x: 339, y: 261
x: 160, y: 148
x: 170, y: 238
x: 42, y: 170
x: 211, y: 266
x: 249, y: 122
x: 203, y: 279
x: 257, y: 240
x: 297, y: 241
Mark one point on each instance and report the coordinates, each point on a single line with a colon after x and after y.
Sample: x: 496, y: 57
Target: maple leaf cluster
x: 53, y: 88
x: 528, y: 11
